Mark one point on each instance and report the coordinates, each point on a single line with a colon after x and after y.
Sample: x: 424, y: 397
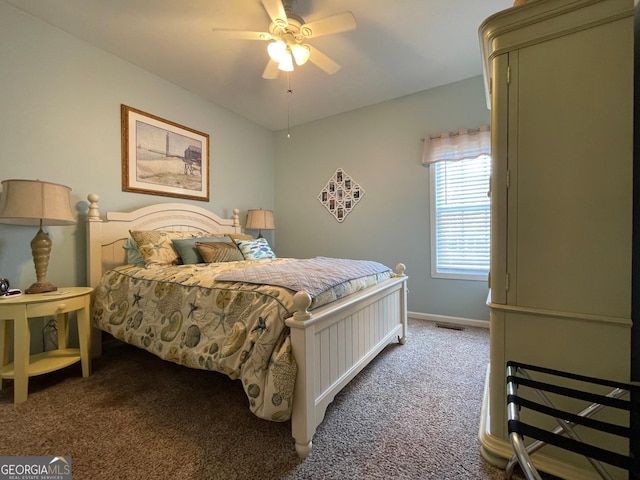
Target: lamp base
x: 40, y: 249
x: 41, y: 287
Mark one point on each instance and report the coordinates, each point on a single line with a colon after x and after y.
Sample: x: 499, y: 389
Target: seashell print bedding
x: 180, y: 314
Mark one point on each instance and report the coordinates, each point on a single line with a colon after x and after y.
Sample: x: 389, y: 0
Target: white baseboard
x: 452, y: 320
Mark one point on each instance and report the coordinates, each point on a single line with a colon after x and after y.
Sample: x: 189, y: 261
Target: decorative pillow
x: 186, y: 247
x: 257, y: 249
x: 133, y: 253
x: 240, y: 236
x: 213, y: 252
x: 155, y: 245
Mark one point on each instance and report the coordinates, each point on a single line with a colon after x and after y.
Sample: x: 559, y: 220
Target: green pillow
x: 132, y: 251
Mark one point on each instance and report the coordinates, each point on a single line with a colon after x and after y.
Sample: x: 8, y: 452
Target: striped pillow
x: 213, y: 252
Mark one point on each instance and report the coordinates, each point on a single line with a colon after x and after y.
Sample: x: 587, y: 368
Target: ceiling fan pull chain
x: 289, y: 92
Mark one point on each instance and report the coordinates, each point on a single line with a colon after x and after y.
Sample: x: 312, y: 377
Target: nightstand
x: 20, y: 309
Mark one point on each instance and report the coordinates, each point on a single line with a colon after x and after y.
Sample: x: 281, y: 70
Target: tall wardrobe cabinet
x: 559, y: 75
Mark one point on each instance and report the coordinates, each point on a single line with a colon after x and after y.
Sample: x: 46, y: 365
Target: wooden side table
x: 20, y: 309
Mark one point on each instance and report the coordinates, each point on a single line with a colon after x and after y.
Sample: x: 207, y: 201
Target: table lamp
x: 32, y: 202
x: 260, y: 220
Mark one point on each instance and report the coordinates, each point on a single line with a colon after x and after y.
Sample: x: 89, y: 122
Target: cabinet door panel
x: 499, y: 167
x: 574, y: 175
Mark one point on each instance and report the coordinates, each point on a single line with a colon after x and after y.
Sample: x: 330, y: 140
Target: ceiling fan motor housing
x: 294, y: 30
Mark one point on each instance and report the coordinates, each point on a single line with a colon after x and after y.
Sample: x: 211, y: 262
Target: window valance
x: 458, y: 145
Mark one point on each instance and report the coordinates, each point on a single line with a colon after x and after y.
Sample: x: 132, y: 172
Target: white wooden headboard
x: 106, y: 237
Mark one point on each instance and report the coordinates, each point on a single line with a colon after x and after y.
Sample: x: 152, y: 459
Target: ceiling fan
x: 287, y: 35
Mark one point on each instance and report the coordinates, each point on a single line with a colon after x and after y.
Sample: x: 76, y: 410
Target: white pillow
x: 257, y: 249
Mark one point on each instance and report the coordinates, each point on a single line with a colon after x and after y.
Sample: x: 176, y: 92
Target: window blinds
x: 460, y: 166
x: 462, y: 217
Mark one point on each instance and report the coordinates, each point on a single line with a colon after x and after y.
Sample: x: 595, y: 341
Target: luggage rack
x: 517, y: 375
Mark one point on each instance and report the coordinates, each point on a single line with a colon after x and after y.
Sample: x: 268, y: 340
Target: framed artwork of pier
x: 160, y: 157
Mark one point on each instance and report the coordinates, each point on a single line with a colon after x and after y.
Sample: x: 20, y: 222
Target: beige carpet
x: 412, y: 414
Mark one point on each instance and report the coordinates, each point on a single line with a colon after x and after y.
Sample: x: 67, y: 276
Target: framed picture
x: 160, y: 157
x: 340, y: 195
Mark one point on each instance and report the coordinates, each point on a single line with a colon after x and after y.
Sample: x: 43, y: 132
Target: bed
x: 311, y: 350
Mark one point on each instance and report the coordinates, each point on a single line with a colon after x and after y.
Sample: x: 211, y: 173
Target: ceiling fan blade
x: 242, y: 34
x: 271, y: 70
x: 323, y: 62
x: 276, y: 12
x: 342, y: 22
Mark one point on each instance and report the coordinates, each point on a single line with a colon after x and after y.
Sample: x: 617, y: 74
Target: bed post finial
x: 400, y: 269
x: 301, y: 302
x: 236, y: 218
x: 94, y: 212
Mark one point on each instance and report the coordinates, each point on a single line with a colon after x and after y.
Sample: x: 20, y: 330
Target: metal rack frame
x: 518, y: 376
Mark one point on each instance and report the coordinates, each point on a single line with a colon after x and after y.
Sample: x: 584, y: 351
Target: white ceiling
x: 399, y: 47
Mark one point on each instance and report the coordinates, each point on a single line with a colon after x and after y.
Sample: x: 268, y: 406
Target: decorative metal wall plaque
x: 340, y: 195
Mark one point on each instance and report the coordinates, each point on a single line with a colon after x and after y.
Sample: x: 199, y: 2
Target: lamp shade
x: 29, y: 202
x: 260, y: 220
x: 32, y: 202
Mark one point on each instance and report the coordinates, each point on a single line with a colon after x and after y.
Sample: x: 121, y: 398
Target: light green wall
x: 380, y: 148
x: 60, y: 121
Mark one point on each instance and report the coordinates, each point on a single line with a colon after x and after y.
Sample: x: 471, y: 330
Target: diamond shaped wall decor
x: 340, y: 195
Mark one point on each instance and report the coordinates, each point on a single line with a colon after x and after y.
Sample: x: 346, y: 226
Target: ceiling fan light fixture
x: 287, y: 32
x: 286, y: 63
x: 277, y: 51
x: 300, y: 53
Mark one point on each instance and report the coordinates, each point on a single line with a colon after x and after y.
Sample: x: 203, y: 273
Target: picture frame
x: 340, y: 195
x: 161, y: 157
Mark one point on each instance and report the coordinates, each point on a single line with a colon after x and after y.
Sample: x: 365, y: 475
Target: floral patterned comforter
x: 181, y: 314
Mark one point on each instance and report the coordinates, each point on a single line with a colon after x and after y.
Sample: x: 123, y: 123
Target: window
x: 460, y: 218
x: 460, y: 167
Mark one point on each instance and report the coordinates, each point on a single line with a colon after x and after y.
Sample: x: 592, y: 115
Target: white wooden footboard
x: 333, y: 344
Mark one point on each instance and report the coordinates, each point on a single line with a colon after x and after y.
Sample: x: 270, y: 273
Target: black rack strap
x: 572, y: 393
x: 597, y: 453
x: 571, y: 417
x: 574, y: 376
